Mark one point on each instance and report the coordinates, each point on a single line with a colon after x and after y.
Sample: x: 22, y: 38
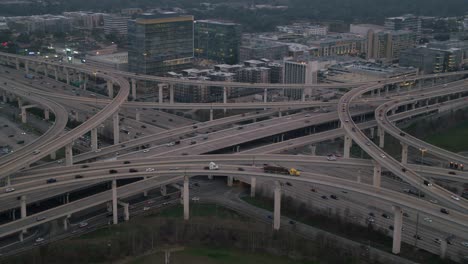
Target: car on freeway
x: 132, y: 170
x: 146, y: 208
x: 427, y: 219
x: 385, y: 216
x: 98, y: 150
x: 51, y: 180
x: 288, y: 184
x: 149, y: 169
x: 39, y: 240
x: 35, y: 152
x: 437, y: 241
x: 334, y: 197
x: 195, y: 199
x: 452, y: 173
x: 433, y: 201
x: 368, y: 143
x: 324, y: 197
x: 418, y: 237
x: 9, y: 189
x: 40, y: 218
x: 291, y: 222
x: 145, y: 150
x: 127, y: 162
x: 405, y: 214
x: 464, y: 243
x: 78, y: 176
x: 383, y: 155
x: 112, y: 171
x: 390, y: 227
x: 454, y: 197
x: 170, y: 144
x: 444, y: 211
x: 83, y: 224
x: 371, y: 214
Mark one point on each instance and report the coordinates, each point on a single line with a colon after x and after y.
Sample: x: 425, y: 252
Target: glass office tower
x: 160, y: 43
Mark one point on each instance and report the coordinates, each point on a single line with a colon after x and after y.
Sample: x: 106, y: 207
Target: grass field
x: 455, y: 139
x: 215, y: 256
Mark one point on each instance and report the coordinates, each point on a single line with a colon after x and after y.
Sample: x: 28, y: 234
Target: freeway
x: 390, y: 128
x: 402, y: 171
x: 61, y: 118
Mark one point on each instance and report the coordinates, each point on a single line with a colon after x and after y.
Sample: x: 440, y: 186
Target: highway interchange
x: 351, y: 116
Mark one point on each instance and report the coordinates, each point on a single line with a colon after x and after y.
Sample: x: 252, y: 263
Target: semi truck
x: 281, y: 170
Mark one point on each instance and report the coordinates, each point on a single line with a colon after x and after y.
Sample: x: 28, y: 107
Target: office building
x: 253, y: 48
x: 300, y: 72
x: 160, y: 43
x: 387, y: 45
x: 115, y: 24
x: 218, y: 41
x: 406, y: 22
x: 304, y: 29
x: 343, y: 44
x: 432, y: 59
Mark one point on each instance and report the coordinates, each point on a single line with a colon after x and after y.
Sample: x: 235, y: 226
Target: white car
x: 10, y: 189
x: 149, y: 169
x: 331, y: 158
x: 427, y: 219
x: 456, y: 198
x: 39, y: 240
x: 170, y: 144
x: 146, y: 208
x: 383, y: 155
x: 83, y: 224
x: 433, y: 201
x: 35, y: 152
x: 98, y: 150
x: 195, y: 199
x: 464, y: 243
x: 145, y: 150
x: 347, y: 120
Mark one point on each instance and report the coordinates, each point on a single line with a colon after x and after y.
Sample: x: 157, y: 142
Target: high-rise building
x: 300, y: 72
x: 160, y: 43
x: 387, y: 45
x: 258, y: 49
x: 432, y: 59
x: 218, y: 41
x: 115, y: 24
x: 406, y: 22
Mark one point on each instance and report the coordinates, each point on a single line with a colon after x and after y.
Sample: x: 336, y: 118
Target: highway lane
x: 390, y: 128
x: 61, y: 141
x: 382, y: 158
x: 61, y: 118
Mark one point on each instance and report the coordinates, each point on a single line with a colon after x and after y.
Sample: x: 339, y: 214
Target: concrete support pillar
x: 253, y: 184
x: 23, y: 206
x: 163, y: 190
x: 404, y: 153
x: 17, y: 64
x: 94, y: 139
x: 67, y: 76
x: 24, y: 115
x: 160, y: 93
x: 372, y: 93
x: 80, y: 80
x: 277, y: 206
x: 280, y: 114
x: 85, y: 82
x: 377, y: 174
x: 210, y: 177
x: 303, y: 95
x: 171, y: 93
x: 186, y: 198
x: 427, y: 102
x: 53, y: 155
x: 211, y: 115
x: 372, y: 131
x: 20, y: 102
x: 138, y: 116
x: 381, y: 133
x: 56, y: 74
x: 21, y: 236
x: 46, y: 114
x: 312, y: 149
x: 224, y: 97
x: 229, y: 181
x: 115, y: 217
x: 378, y: 92
x: 115, y: 122
x: 46, y: 73
x: 386, y: 90
x: 397, y: 226
x: 69, y: 154
x: 443, y: 248
x: 398, y: 88
x: 26, y: 67
x: 110, y: 89
x: 65, y: 223
x: 394, y: 111
x: 145, y: 192
x: 348, y: 142
x: 5, y: 97
x: 134, y: 89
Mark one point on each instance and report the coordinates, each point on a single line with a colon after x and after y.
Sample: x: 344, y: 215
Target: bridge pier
x: 224, y: 98
x: 126, y: 210
x: 23, y: 213
x: 398, y: 88
x: 145, y: 192
x: 46, y: 114
x: 160, y: 93
x: 163, y: 190
x: 4, y: 97
x: 303, y: 95
x: 110, y: 89
x: 443, y: 248
x: 372, y: 131
x: 24, y: 115
x: 186, y: 198
x: 114, y: 203
x: 377, y: 174
x: 67, y: 76
x: 80, y: 80
x: 137, y: 115
x: 26, y: 66
x: 404, y: 153
x: 17, y: 64
x: 69, y: 154
x: 381, y: 133
x: 211, y: 114
x: 277, y: 206
x: 85, y: 82
x: 171, y: 93
x: 65, y: 223
x: 348, y: 142
x: 230, y: 179
x: 115, y: 122
x: 397, y: 225
x: 134, y: 91
x: 253, y: 183
x: 20, y: 102
x: 94, y: 139
x: 56, y: 74
x: 53, y: 155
